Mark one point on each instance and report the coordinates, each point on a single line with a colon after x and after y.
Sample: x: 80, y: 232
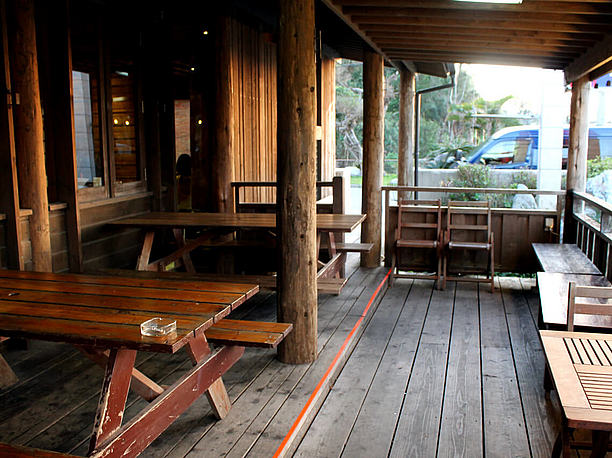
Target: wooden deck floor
x: 431, y: 373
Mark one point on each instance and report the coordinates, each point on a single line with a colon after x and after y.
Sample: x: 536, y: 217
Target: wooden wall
x: 514, y: 231
x: 2, y: 243
x: 106, y: 246
x: 253, y: 104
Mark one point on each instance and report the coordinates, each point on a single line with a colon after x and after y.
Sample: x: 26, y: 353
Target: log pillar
x: 296, y: 196
x: 29, y: 130
x: 373, y: 148
x: 577, y: 152
x: 405, y: 158
x: 222, y: 165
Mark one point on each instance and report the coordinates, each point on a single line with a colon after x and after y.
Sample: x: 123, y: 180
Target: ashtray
x: 158, y: 327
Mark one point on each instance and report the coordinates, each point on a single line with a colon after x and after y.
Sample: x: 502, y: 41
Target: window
x: 106, y: 104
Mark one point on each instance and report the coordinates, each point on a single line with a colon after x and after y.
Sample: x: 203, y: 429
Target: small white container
x: 156, y: 327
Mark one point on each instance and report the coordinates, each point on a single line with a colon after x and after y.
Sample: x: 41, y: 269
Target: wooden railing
x: 335, y: 204
x: 515, y: 229
x: 593, y: 219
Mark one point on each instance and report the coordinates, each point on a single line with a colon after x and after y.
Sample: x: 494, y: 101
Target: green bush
x: 598, y: 166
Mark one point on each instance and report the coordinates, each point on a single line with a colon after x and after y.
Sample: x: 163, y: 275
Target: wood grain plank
x: 418, y: 434
x: 505, y: 433
x: 372, y: 433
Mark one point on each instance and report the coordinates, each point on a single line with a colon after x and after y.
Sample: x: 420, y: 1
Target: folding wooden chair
x: 469, y: 236
x: 411, y: 234
x: 587, y: 300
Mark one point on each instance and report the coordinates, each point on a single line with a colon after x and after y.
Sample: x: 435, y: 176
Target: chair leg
x: 492, y: 269
x: 392, y: 276
x: 439, y: 279
x: 445, y: 261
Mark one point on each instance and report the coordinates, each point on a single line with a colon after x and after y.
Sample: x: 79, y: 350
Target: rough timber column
x: 296, y: 197
x: 29, y: 130
x: 221, y: 176
x: 577, y: 152
x: 373, y: 147
x: 405, y: 158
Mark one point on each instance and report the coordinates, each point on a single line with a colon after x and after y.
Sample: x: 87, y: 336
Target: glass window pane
x: 90, y: 170
x: 125, y: 142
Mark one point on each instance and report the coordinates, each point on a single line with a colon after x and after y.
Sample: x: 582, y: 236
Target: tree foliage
x: 447, y: 121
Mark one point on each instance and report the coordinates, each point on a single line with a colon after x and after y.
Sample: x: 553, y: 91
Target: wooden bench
x: 245, y: 333
x: 324, y: 285
x: 563, y: 258
x: 343, y: 247
x: 19, y: 451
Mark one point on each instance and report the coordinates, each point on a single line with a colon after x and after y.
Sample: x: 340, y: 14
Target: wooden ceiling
x: 568, y: 35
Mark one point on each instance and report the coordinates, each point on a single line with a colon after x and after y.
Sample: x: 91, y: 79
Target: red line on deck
x: 317, y: 389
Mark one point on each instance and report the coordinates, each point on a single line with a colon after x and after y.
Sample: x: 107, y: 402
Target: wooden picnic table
x: 102, y: 316
x: 564, y: 258
x: 553, y: 288
x: 580, y: 365
x: 327, y: 226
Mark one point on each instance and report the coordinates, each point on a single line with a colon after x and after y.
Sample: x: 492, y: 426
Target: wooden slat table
x: 564, y: 258
x: 327, y: 226
x: 581, y: 368
x: 102, y: 316
x: 554, y: 296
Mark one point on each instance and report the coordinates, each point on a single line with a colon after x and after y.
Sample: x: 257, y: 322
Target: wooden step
x: 248, y: 333
x: 19, y: 451
x: 343, y: 247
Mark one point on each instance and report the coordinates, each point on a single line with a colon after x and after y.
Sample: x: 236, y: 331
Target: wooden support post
x: 60, y: 147
x: 373, y: 148
x: 9, y: 192
x: 222, y: 170
x: 405, y: 158
x: 577, y: 152
x: 29, y: 130
x: 296, y: 196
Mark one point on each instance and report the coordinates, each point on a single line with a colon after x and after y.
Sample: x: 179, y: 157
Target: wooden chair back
x: 587, y: 300
x: 411, y: 230
x: 461, y: 209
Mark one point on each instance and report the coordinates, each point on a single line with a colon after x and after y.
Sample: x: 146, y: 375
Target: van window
x: 605, y: 146
x: 505, y: 152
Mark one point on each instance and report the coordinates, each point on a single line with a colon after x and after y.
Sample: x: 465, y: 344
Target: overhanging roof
x: 566, y: 35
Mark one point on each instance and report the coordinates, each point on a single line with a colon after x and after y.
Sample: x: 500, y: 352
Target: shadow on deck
x: 450, y: 373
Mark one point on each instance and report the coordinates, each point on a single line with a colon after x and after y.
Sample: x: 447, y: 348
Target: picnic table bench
x: 101, y: 316
x: 328, y: 225
x: 563, y: 258
x: 553, y: 288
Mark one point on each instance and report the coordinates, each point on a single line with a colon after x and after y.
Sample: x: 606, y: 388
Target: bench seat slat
x: 19, y: 451
x: 248, y: 333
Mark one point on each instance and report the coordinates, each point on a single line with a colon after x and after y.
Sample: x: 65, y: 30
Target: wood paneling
x: 253, y: 80
x: 515, y: 231
x: 106, y: 246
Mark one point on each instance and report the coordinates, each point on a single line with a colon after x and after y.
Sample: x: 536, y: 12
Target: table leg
x: 141, y: 384
x: 600, y: 443
x: 145, y: 253
x: 113, y: 396
x: 179, y: 236
x: 7, y: 376
x: 217, y: 395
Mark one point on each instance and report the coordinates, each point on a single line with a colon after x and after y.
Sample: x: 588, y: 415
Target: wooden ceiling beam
x: 364, y: 23
x: 481, y: 49
x: 532, y: 6
x: 485, y: 42
x: 493, y: 59
x: 596, y: 57
x: 433, y: 30
x: 359, y: 14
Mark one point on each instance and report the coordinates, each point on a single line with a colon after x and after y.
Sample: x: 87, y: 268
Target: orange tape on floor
x: 317, y: 389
